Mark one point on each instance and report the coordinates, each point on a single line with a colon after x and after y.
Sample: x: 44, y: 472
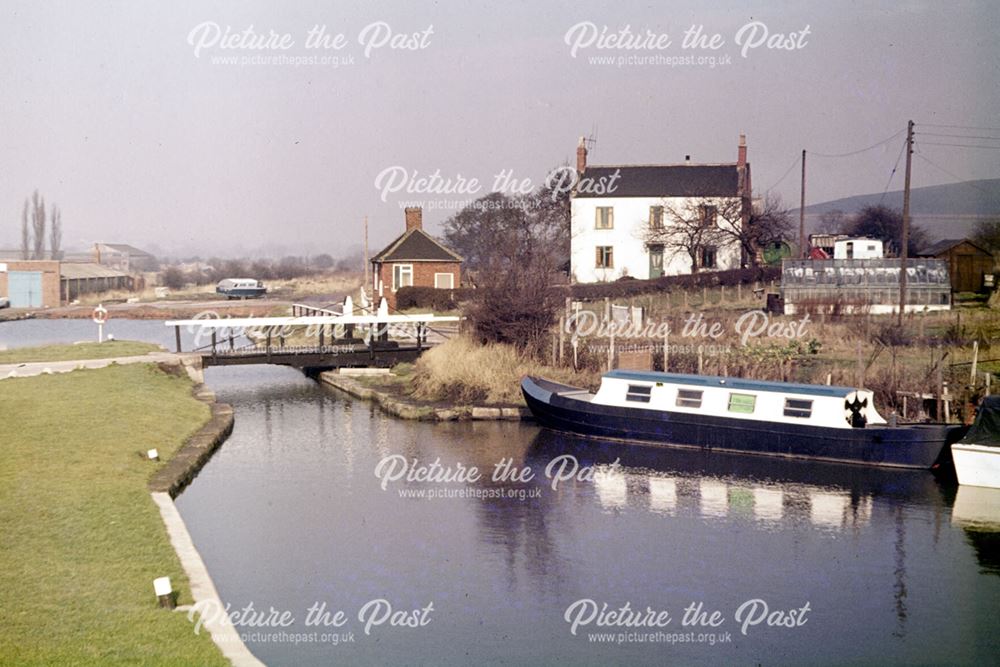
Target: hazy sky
x: 108, y: 111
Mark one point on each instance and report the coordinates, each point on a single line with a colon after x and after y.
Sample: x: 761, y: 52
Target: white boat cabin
x: 737, y: 398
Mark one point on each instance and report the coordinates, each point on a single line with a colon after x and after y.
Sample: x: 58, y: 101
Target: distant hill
x: 946, y: 211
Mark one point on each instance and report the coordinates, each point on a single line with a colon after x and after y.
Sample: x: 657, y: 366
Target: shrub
x: 463, y: 371
x: 173, y: 278
x: 516, y: 307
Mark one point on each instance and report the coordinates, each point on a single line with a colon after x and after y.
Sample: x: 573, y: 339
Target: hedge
x: 430, y: 297
x: 629, y: 287
x: 449, y: 299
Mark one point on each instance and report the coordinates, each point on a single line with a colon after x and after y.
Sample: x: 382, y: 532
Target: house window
x: 656, y: 217
x: 708, y: 213
x: 796, y: 407
x: 707, y: 256
x: 402, y: 276
x: 444, y: 280
x: 638, y: 393
x: 850, y: 250
x: 605, y: 257
x: 688, y: 398
x: 605, y: 217
x: 742, y: 403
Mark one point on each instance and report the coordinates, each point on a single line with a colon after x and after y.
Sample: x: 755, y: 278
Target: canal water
x: 805, y: 563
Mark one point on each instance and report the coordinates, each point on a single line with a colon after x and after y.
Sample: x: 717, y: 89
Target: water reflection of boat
x: 977, y: 512
x: 780, y: 419
x: 824, y: 495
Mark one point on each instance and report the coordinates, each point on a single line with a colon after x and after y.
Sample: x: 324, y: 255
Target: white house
x: 621, y: 229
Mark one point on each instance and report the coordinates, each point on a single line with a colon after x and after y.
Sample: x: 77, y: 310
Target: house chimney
x: 741, y: 155
x: 414, y: 218
x: 581, y: 155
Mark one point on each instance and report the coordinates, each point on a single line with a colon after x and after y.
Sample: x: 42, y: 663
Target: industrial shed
x: 77, y: 279
x: 48, y: 283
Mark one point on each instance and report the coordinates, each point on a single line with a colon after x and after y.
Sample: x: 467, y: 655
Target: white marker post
x: 100, y: 316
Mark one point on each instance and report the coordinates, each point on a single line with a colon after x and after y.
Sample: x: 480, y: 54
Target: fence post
x: 611, y: 350
x: 666, y: 348
x: 939, y: 386
x: 859, y: 378
x: 562, y: 338
x: 975, y: 359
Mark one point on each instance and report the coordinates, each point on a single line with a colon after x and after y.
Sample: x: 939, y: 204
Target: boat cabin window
x: 797, y: 407
x: 742, y: 403
x: 638, y: 393
x: 689, y: 398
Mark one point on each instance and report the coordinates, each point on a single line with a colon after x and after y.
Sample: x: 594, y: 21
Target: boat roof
x: 732, y: 383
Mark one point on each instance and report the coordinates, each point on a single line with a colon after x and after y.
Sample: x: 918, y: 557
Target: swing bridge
x: 316, y: 339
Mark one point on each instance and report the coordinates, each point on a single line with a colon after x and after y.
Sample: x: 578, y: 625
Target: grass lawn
x: 82, y: 539
x: 113, y: 348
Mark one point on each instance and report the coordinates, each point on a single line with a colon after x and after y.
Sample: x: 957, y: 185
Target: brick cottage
x: 414, y: 259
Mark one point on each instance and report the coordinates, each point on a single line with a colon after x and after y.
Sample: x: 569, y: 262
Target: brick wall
x: 50, y: 279
x: 423, y: 276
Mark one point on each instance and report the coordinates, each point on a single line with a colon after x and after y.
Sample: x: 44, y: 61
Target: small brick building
x: 30, y: 283
x: 415, y: 259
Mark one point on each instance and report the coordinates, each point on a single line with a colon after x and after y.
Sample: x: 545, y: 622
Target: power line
x: 957, y: 136
x: 892, y: 173
x: 862, y: 150
x: 785, y: 175
x: 937, y: 143
x: 959, y: 179
x: 962, y: 127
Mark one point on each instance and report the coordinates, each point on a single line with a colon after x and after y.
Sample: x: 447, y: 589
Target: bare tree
x: 25, y: 233
x: 691, y: 228
x: 767, y: 221
x: 38, y: 226
x: 55, y: 234
x: 833, y: 221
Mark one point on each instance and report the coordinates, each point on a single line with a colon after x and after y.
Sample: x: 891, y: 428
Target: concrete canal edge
x: 166, y: 485
x: 202, y: 588
x: 404, y: 409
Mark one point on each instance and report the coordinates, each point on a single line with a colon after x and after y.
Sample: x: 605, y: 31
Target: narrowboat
x: 241, y: 288
x: 977, y: 455
x: 818, y: 422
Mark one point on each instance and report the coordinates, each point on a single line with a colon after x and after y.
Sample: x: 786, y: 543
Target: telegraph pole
x: 802, y: 210
x: 904, y: 250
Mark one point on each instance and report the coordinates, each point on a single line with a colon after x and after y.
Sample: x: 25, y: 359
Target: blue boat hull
x: 243, y: 292
x: 907, y: 446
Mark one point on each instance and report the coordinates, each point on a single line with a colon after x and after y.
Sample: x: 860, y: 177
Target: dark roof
x: 416, y: 245
x: 946, y: 245
x: 677, y: 180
